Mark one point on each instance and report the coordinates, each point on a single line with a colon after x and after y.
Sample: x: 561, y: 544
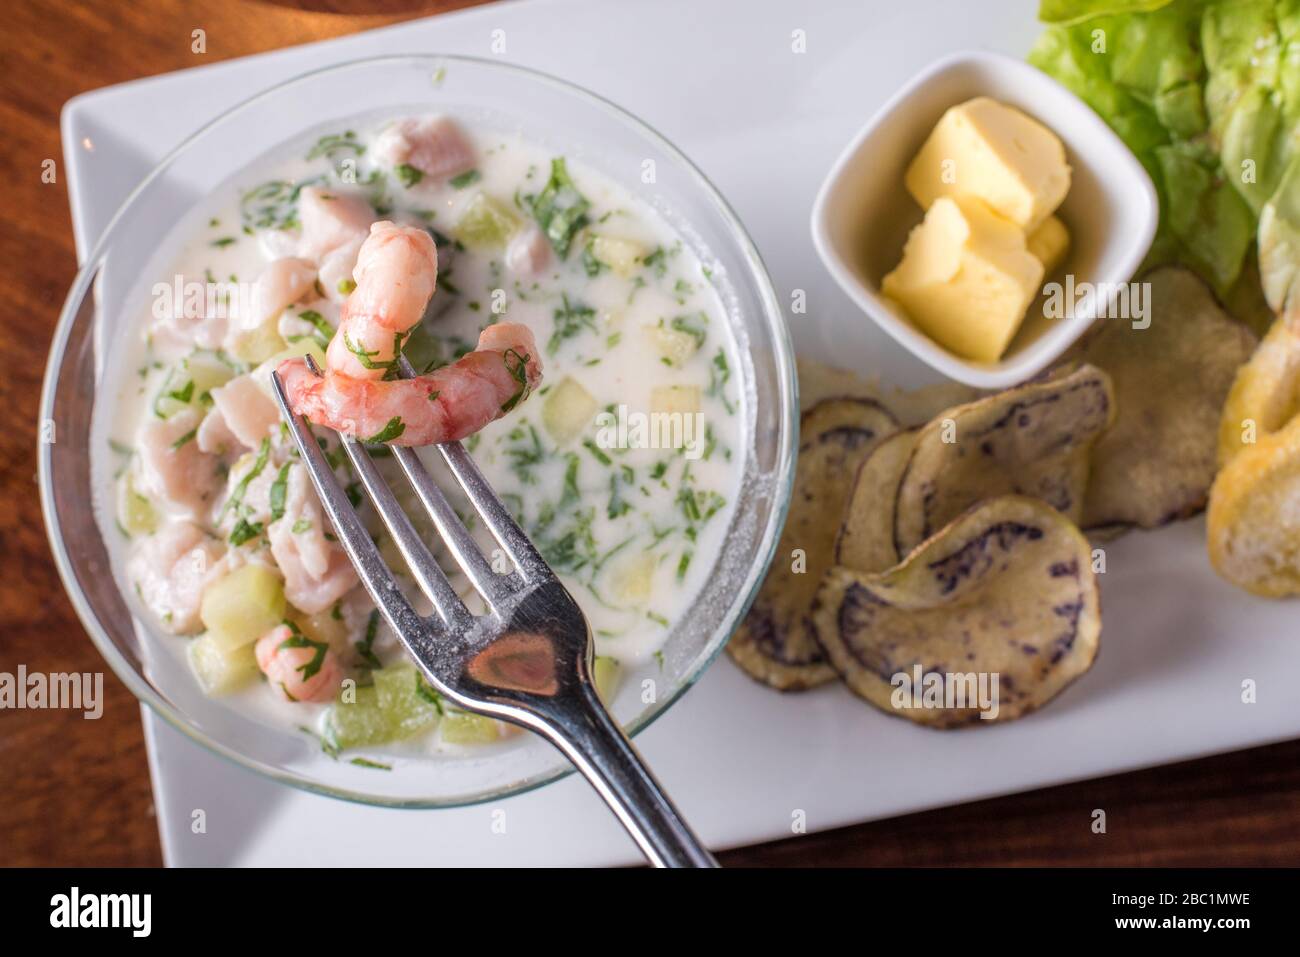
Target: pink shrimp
x: 447, y: 404
x: 298, y: 668
x: 396, y: 272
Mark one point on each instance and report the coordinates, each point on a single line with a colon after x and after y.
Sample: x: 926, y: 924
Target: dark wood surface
x: 76, y: 792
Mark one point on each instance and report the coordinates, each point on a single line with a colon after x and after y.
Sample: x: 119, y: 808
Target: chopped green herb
x: 298, y: 640
x: 367, y: 763
x: 464, y: 179
x: 244, y: 531
x: 409, y: 175
x: 392, y: 430
x: 185, y: 438
x: 570, y: 320
x: 279, y: 488
x: 597, y: 453
x: 333, y: 143
x: 365, y: 647
x: 518, y: 372
x: 259, y: 463
x: 560, y: 209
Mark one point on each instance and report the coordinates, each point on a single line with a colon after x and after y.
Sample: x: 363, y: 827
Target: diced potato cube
x: 461, y: 727
x: 622, y: 256
x: 674, y: 346
x: 608, y: 675
x: 135, y: 513
x: 241, y: 607
x: 633, y: 579
x: 486, y: 223
x: 675, y: 398
x: 569, y: 410
x: 221, y: 670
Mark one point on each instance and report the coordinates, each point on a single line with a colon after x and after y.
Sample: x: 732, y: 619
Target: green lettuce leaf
x: 1206, y: 93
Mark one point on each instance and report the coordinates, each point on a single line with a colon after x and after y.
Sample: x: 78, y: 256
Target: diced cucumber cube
x: 221, y: 670
x: 322, y: 626
x: 303, y: 347
x: 622, y: 256
x: 486, y: 223
x: 189, y: 382
x: 608, y: 675
x: 461, y: 727
x: 673, y: 346
x: 241, y: 607
x: 358, y: 724
x: 675, y: 398
x: 633, y: 579
x: 255, y: 346
x: 397, y: 706
x: 568, y: 410
x: 135, y: 513
x: 410, y: 704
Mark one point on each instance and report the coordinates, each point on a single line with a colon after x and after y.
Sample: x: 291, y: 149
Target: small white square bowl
x: 863, y: 211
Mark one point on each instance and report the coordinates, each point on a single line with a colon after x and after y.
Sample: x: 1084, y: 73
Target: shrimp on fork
x: 396, y: 273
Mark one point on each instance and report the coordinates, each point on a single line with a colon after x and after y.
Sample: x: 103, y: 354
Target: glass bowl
x: 106, y: 300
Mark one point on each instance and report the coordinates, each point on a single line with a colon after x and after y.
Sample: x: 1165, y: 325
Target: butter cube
x: 966, y: 279
x: 989, y: 151
x: 1049, y: 243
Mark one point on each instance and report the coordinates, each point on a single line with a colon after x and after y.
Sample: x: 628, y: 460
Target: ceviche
x: 553, y: 321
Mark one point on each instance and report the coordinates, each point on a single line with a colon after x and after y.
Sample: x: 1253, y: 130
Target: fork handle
x: 600, y: 750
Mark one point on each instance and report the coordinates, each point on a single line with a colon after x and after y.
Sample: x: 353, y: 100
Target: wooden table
x: 77, y: 792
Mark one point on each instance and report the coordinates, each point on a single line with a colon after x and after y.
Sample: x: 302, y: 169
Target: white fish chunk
x: 434, y: 145
x: 528, y: 253
x: 336, y: 267
x: 316, y: 571
x: 172, y: 466
x: 214, y: 435
x: 330, y: 219
x: 171, y: 568
x: 281, y: 284
x: 249, y: 413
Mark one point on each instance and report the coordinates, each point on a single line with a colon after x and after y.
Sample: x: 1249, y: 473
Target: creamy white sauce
x: 632, y: 532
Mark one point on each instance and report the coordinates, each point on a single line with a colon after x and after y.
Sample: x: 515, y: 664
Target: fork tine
x: 375, y: 575
x: 427, y: 573
x: 493, y: 586
x: 529, y: 565
x: 532, y: 567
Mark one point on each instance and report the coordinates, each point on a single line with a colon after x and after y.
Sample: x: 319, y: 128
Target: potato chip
x: 1031, y: 440
x: 774, y: 643
x: 866, y: 540
x: 995, y: 614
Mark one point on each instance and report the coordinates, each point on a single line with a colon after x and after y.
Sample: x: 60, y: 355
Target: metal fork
x: 527, y: 661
